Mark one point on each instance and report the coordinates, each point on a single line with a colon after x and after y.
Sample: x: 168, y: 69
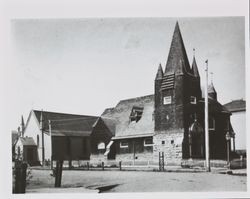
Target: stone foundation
x: 170, y: 143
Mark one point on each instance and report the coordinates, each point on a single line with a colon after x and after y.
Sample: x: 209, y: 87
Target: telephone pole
x: 206, y: 121
x: 42, y: 131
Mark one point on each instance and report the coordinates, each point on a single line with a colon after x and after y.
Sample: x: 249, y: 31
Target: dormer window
x: 136, y: 114
x: 192, y: 100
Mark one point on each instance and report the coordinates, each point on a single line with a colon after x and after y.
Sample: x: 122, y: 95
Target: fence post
x: 20, y: 177
x: 120, y: 165
x: 58, y: 173
x: 87, y: 165
x: 159, y: 161
x: 102, y: 165
x: 162, y: 161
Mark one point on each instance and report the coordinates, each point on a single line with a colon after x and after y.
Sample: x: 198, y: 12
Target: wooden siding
x: 70, y: 148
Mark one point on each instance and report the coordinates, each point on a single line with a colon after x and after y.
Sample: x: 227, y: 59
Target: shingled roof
x: 177, y: 58
x: 64, y: 124
x: 236, y: 105
x: 120, y: 116
x: 214, y: 106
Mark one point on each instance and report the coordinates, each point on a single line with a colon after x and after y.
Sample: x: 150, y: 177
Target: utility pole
x: 50, y: 134
x: 206, y: 121
x: 41, y: 128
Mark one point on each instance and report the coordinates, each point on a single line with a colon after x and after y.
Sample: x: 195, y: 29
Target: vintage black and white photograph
x: 127, y: 104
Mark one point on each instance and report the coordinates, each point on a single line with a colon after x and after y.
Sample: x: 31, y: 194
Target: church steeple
x: 22, y: 126
x: 159, y: 74
x: 212, y: 92
x: 194, y: 69
x: 177, y: 58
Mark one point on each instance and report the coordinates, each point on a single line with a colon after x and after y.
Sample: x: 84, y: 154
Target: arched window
x: 37, y: 140
x: 101, y: 145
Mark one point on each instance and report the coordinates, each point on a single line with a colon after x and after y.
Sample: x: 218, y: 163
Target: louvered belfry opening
x: 167, y: 81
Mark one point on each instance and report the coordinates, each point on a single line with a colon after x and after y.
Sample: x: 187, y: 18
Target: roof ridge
x: 64, y: 113
x: 130, y: 99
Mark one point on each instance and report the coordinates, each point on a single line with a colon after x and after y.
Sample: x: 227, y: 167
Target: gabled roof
x: 110, y: 124
x: 177, y: 58
x: 64, y: 124
x: 27, y: 141
x: 121, y: 117
x: 236, y: 105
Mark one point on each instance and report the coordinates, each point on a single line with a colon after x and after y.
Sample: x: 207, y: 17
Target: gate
x: 161, y: 161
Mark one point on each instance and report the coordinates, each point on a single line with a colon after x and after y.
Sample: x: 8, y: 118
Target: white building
x: 238, y: 121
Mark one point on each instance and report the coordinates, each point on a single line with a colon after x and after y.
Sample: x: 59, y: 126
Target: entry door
x: 30, y: 154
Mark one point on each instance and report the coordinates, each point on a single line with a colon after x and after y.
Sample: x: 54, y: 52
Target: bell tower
x: 172, y: 94
x: 169, y: 87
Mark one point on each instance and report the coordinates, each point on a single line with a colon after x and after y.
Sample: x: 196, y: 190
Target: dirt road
x: 139, y: 181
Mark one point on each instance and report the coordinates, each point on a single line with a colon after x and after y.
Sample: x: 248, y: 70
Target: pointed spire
x: 159, y: 74
x: 22, y: 126
x: 19, y: 131
x: 194, y: 69
x: 211, y: 91
x: 177, y: 58
x: 41, y: 120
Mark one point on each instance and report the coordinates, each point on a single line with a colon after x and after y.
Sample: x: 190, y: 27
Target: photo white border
x: 16, y: 9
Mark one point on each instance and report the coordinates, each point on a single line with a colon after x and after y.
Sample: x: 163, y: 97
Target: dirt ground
x: 136, y: 181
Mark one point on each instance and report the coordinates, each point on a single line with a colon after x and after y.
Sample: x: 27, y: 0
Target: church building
x: 171, y: 121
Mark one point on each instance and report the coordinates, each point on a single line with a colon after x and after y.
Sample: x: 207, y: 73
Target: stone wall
x: 170, y: 143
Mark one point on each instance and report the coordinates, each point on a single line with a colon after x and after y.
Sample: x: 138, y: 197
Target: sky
x: 85, y: 65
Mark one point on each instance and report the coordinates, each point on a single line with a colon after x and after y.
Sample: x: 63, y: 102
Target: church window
x: 193, y: 100
x: 123, y: 144
x: 211, y: 124
x: 148, y: 142
x: 101, y: 145
x: 136, y: 114
x: 167, y: 100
